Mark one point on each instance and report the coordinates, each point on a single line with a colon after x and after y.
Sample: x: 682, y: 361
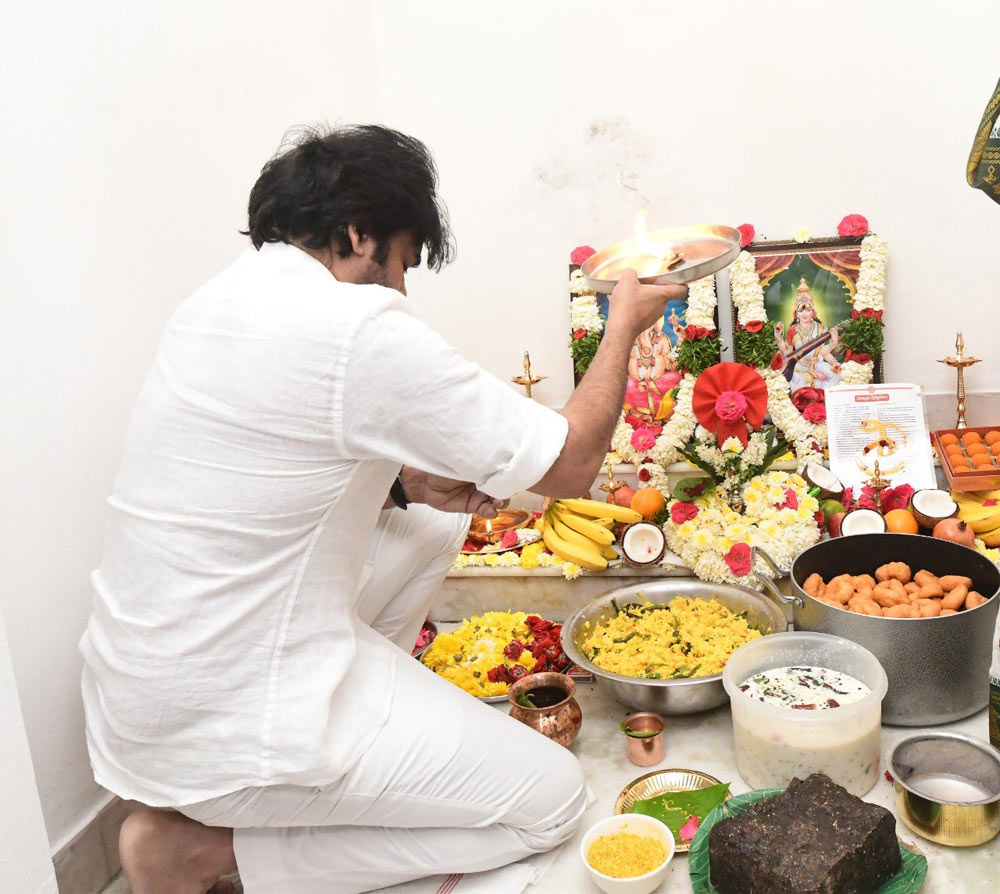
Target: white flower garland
x: 704, y: 541
x: 511, y: 559
x: 583, y: 311
x: 748, y: 299
x: 680, y: 426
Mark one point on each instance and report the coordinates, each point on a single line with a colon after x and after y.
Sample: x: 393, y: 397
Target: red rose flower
x: 644, y: 475
x: 579, y: 333
x: 878, y: 315
x: 802, y: 397
x: 580, y: 254
x: 747, y: 233
x: 681, y: 512
x: 777, y: 361
x: 853, y: 225
x: 868, y: 313
x: 815, y: 413
x: 820, y: 520
x: 635, y: 421
x: 754, y: 326
x: 858, y: 356
x: 854, y: 314
x: 738, y: 559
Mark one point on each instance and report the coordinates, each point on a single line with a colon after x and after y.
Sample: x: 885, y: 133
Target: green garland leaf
x: 865, y: 335
x: 583, y: 350
x: 754, y: 348
x: 695, y: 355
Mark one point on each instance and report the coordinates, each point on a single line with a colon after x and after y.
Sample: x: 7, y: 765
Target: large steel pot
x: 938, y: 668
x: 667, y: 696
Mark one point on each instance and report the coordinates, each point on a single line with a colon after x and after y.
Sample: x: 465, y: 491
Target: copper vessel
x: 648, y: 750
x: 560, y: 721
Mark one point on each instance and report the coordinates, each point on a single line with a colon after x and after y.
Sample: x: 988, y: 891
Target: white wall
x: 25, y: 866
x: 781, y: 114
x: 132, y: 134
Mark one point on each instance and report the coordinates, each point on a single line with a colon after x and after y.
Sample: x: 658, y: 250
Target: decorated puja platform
x: 784, y: 573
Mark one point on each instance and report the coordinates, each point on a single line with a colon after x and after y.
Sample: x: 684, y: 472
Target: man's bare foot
x: 165, y: 852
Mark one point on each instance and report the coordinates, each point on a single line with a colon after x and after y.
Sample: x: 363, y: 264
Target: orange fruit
x: 953, y: 450
x: 901, y: 521
x: 971, y: 437
x: 648, y: 501
x: 982, y: 461
x: 995, y: 448
x: 992, y: 437
x: 949, y: 439
x: 974, y: 449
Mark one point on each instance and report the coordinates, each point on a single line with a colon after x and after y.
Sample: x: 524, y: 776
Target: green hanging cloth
x: 983, y: 169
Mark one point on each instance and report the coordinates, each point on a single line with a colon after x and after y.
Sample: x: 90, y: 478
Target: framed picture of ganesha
x: 808, y: 292
x: 653, y: 370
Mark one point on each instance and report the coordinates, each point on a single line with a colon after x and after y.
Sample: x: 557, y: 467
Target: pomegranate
x: 955, y: 530
x: 833, y: 523
x: 622, y: 496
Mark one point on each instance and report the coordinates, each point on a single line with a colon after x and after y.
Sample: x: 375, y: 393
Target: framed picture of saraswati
x: 808, y: 292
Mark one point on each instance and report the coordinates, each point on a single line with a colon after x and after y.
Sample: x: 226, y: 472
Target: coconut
x: 862, y: 521
x: 830, y: 486
x: 643, y: 544
x: 931, y: 506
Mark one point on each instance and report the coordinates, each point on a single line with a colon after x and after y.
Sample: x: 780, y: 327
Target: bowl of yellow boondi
x: 662, y: 646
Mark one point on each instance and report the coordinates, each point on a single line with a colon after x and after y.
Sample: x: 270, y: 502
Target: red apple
x: 622, y: 496
x: 833, y: 523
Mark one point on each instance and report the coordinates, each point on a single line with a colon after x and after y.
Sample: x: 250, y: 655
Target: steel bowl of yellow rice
x: 661, y: 646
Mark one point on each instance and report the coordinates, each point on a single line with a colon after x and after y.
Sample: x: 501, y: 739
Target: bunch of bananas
x: 579, y: 531
x: 981, y: 512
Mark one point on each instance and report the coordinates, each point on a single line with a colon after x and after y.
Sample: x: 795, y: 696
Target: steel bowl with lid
x: 686, y: 696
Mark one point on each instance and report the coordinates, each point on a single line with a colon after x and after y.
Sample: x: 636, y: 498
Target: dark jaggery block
x: 813, y: 838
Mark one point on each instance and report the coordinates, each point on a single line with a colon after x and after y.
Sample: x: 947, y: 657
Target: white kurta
x: 221, y: 650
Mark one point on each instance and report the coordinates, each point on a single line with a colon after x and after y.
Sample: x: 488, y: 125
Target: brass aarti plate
x: 660, y: 782
x: 703, y: 250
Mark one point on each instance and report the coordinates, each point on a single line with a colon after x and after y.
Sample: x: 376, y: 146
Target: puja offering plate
x: 702, y: 250
x: 524, y: 537
x: 659, y: 783
x: 907, y: 880
x: 491, y: 530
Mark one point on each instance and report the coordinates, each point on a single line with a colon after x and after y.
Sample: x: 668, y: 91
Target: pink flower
x: 730, y: 406
x: 896, y: 497
x: 747, y: 233
x: 754, y: 326
x: 815, y: 413
x: 853, y: 225
x: 580, y: 254
x: 643, y: 439
x: 688, y: 830
x: 847, y: 497
x: 681, y: 512
x: 738, y: 559
x: 791, y: 500
x: 635, y: 420
x: 509, y: 539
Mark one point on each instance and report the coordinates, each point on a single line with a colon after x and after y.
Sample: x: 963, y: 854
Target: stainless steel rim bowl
x: 667, y: 696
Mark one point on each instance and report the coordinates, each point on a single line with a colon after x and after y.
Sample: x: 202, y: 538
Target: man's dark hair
x: 380, y: 180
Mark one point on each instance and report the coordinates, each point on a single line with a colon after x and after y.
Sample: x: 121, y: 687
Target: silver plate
x: 660, y: 782
x: 705, y: 248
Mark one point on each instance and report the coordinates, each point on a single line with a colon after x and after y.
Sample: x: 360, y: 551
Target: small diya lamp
x: 545, y: 702
x: 644, y: 735
x: 960, y: 362
x: 492, y: 530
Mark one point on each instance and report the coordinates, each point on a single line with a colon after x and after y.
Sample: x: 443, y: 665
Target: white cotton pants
x: 448, y: 785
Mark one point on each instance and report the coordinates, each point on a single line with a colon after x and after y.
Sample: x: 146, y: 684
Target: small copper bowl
x: 560, y: 721
x: 647, y: 750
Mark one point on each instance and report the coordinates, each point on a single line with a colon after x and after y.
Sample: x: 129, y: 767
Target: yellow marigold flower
x: 530, y: 554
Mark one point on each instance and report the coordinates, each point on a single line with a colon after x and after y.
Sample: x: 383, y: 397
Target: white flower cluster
x: 658, y: 478
x: 747, y: 293
x: 800, y: 433
x: 584, y: 314
x: 701, y: 303
x: 854, y: 373
x: 871, y: 276
x: 577, y: 284
x: 704, y: 541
